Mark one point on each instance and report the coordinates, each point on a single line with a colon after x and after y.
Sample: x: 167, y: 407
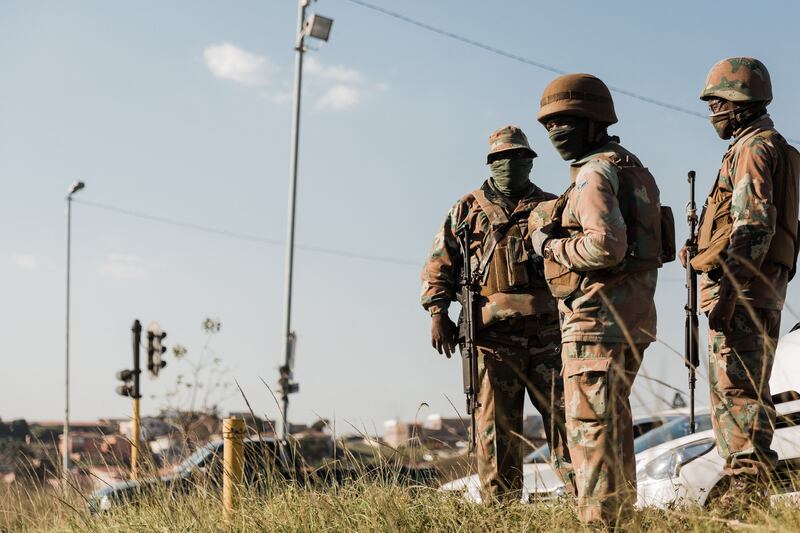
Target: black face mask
x: 571, y: 141
x: 723, y: 124
x: 732, y: 117
x: 510, y: 176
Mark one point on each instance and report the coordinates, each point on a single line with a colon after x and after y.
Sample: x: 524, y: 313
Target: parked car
x: 311, y: 461
x: 539, y: 480
x: 689, y: 470
x: 204, y: 465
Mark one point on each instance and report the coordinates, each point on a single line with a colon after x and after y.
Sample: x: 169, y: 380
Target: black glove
x: 444, y: 334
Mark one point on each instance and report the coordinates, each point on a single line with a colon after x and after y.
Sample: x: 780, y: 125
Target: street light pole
x: 75, y: 187
x: 287, y: 302
x: 318, y: 27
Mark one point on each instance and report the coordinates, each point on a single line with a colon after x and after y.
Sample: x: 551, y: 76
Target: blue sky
x: 182, y: 110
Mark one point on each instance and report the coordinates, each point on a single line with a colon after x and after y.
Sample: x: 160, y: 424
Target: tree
x: 192, y: 403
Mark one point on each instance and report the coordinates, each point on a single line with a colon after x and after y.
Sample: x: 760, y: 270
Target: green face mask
x: 510, y: 176
x: 571, y: 141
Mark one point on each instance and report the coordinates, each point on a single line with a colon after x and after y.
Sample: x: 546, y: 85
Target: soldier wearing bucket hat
x: 518, y: 340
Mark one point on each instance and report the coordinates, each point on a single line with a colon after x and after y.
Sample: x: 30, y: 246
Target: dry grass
x: 358, y: 506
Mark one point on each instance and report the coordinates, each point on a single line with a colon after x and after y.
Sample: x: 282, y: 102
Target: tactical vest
x: 650, y: 232
x: 716, y: 223
x: 507, y: 264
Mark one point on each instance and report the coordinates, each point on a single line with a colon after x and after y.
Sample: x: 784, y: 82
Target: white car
x: 540, y: 481
x: 688, y: 470
x: 673, y: 467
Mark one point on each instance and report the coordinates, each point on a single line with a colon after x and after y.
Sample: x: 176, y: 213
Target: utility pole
x: 318, y: 27
x: 67, y: 449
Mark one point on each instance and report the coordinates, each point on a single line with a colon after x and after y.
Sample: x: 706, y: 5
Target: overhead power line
x: 527, y: 61
x: 261, y: 240
x: 243, y: 236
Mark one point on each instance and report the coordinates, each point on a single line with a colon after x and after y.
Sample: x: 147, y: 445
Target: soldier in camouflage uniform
x: 518, y: 340
x: 601, y: 252
x: 747, y: 253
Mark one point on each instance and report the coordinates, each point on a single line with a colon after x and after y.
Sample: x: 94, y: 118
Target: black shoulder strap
x: 561, y: 204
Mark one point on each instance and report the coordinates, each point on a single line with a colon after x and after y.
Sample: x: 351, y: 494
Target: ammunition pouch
x: 668, y: 248
x: 507, y: 265
x: 561, y: 281
x: 714, y: 233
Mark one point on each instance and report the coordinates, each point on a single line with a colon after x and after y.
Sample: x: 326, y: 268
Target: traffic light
x: 155, y: 348
x: 127, y: 378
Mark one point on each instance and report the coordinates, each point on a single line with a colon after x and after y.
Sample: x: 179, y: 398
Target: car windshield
x: 196, y: 459
x: 539, y: 455
x: 672, y: 430
x: 645, y: 426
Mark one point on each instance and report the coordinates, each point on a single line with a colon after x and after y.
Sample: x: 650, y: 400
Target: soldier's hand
x: 682, y: 256
x: 540, y: 237
x: 444, y: 334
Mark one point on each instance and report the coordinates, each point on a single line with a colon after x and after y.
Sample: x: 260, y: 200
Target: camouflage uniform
x: 518, y: 339
x: 747, y: 249
x: 608, y: 317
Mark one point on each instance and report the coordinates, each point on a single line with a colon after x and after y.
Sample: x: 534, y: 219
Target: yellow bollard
x: 233, y: 430
x: 135, y: 439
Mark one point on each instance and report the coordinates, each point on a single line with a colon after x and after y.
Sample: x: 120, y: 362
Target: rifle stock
x: 691, y: 349
x: 469, y: 352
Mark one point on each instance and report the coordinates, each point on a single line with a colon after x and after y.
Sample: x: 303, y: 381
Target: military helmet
x: 738, y: 79
x: 508, y: 138
x: 580, y: 95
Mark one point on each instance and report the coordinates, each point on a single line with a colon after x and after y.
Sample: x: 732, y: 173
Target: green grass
x: 359, y: 506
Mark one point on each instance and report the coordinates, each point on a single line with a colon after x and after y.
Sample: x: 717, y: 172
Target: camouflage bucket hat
x: 580, y: 95
x: 508, y: 138
x: 738, y: 79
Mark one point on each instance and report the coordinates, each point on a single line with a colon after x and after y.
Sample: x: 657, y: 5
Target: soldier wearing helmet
x: 602, y: 251
x: 747, y: 253
x: 518, y: 339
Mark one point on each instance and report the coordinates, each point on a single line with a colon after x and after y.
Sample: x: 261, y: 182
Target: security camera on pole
x: 316, y: 27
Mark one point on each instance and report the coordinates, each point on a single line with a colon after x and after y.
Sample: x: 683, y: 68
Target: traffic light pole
x: 135, y: 426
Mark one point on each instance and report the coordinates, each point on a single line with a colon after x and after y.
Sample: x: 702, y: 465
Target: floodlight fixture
x: 318, y: 27
x: 75, y: 187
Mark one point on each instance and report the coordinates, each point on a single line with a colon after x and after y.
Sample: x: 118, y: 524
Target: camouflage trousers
x: 597, y: 386
x: 515, y: 356
x: 739, y: 368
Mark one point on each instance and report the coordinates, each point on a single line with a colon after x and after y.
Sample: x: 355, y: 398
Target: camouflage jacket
x: 441, y: 274
x: 751, y: 168
x: 606, y: 307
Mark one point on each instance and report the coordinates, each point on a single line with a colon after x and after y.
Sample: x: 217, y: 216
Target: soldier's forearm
x: 586, y: 253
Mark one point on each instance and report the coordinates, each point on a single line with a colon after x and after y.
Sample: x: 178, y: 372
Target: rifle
x: 469, y: 352
x: 691, y: 351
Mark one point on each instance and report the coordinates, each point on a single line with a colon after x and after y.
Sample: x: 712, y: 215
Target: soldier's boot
x: 744, y: 493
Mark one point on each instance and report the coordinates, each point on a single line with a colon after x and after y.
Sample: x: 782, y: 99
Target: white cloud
x: 121, y: 266
x: 336, y: 73
x: 229, y: 62
x: 26, y: 261
x: 339, y: 97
